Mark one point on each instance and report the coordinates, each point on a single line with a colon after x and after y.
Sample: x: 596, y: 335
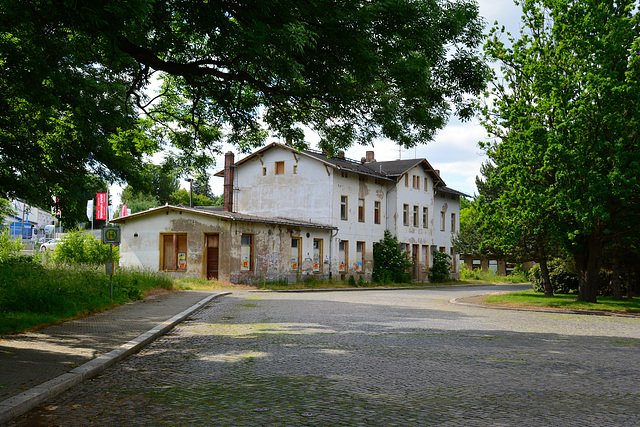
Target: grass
x: 481, y: 276
x: 535, y: 299
x: 32, y: 294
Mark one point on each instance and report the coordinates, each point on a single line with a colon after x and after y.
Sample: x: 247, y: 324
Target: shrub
x: 390, y: 262
x: 83, y: 248
x: 441, y: 267
x: 8, y: 247
x: 352, y: 281
x: 562, y: 274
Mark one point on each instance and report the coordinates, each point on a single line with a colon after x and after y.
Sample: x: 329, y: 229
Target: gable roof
x: 390, y: 170
x: 217, y: 212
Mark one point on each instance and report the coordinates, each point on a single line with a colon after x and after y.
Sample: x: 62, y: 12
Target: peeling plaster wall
x: 302, y: 195
x: 271, y: 246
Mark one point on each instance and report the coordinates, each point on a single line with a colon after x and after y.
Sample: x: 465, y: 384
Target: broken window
x: 246, y: 252
x: 360, y: 210
x: 360, y: 257
x: 174, y: 252
x: 264, y: 171
x: 317, y: 254
x: 343, y: 255
x: 376, y: 212
x: 296, y: 248
x: 343, y: 207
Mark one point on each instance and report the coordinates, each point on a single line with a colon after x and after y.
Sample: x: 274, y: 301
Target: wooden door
x: 213, y: 243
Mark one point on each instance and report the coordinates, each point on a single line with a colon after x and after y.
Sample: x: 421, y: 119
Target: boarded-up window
x: 246, y: 252
x: 279, y: 168
x: 174, y: 252
x: 317, y: 254
x: 376, y: 212
x: 343, y: 207
x: 343, y: 255
x: 296, y: 249
x: 425, y: 217
x: 360, y: 210
x: 360, y: 256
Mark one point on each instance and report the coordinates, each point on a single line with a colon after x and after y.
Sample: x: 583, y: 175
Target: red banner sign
x: 101, y: 206
x: 123, y: 210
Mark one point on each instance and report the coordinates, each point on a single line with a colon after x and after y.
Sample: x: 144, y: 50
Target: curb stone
x: 17, y: 405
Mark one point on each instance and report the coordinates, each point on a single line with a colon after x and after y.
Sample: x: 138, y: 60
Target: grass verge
x: 535, y: 299
x: 33, y: 295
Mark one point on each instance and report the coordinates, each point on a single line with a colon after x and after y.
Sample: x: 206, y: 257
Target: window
x: 493, y: 265
x: 174, y: 252
x: 296, y: 251
x: 360, y: 257
x: 343, y: 207
x: 360, y: 210
x: 279, y: 168
x: 317, y: 254
x: 405, y: 214
x: 442, y: 220
x: 453, y: 223
x: 425, y: 257
x: 406, y: 180
x: 343, y: 255
x: 426, y: 184
x: 425, y: 217
x: 416, y: 182
x: 264, y: 171
x: 246, y: 252
x: 415, y: 216
x: 295, y: 169
x: 376, y: 212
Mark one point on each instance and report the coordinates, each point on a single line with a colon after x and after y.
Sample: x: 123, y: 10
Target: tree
x: 182, y: 196
x: 390, y: 262
x: 138, y: 201
x: 439, y: 272
x: 75, y: 80
x: 5, y: 210
x: 566, y: 119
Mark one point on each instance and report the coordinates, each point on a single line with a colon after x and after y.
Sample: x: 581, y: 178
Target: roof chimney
x: 341, y: 154
x: 370, y: 157
x: 227, y: 205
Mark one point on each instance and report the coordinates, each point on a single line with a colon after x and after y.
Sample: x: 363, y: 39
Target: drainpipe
x: 228, y: 182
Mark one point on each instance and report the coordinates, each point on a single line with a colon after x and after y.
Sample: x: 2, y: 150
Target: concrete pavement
x: 39, y: 365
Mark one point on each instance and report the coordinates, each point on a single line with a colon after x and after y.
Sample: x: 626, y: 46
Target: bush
x: 83, y: 248
x: 8, y: 247
x: 441, y: 267
x: 390, y: 262
x: 562, y: 274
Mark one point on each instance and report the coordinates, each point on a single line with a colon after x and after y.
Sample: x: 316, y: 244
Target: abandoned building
x: 290, y: 214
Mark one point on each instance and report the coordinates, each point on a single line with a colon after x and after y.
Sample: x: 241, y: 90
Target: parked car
x: 43, y: 240
x: 50, y: 245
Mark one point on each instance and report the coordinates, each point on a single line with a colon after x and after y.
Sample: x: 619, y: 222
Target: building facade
x: 360, y: 199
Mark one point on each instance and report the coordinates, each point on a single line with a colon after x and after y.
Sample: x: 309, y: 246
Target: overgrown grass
x: 466, y: 274
x: 32, y: 294
x: 536, y: 299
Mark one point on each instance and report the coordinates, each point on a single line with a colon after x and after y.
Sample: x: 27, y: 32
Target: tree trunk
x: 544, y: 271
x: 588, y: 263
x: 615, y: 279
x: 630, y: 279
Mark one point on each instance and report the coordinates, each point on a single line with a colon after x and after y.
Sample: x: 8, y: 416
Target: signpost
x: 111, y: 236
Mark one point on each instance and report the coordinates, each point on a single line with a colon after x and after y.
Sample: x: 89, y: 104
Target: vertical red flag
x: 101, y: 206
x: 123, y: 210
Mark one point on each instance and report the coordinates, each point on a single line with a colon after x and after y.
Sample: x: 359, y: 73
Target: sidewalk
x: 39, y: 365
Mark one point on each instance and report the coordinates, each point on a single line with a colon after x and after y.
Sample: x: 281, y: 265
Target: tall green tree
x: 566, y: 120
x: 75, y: 80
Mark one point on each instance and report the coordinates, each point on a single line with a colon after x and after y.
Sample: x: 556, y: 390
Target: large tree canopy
x: 75, y: 79
x: 566, y: 118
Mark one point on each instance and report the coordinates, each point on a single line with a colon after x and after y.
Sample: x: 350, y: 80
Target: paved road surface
x: 378, y: 358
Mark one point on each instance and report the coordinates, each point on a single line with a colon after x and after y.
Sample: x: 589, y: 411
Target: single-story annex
x: 227, y: 246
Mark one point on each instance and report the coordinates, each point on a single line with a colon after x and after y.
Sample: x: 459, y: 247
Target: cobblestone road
x: 405, y: 358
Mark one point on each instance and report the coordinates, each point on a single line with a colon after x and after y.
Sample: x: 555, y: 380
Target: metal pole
x: 111, y: 271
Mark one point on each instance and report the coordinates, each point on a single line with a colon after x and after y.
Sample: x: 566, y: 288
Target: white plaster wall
x: 305, y: 195
x: 448, y: 205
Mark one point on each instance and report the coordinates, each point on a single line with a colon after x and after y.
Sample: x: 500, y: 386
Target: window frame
x: 279, y: 167
x: 376, y: 211
x: 415, y: 218
x: 176, y: 251
x: 405, y: 215
x: 344, y: 207
x: 295, y: 264
x: 360, y: 255
x: 425, y: 217
x: 250, y: 265
x: 361, y: 207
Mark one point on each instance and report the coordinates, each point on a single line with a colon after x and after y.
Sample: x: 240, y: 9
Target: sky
x: 454, y: 152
